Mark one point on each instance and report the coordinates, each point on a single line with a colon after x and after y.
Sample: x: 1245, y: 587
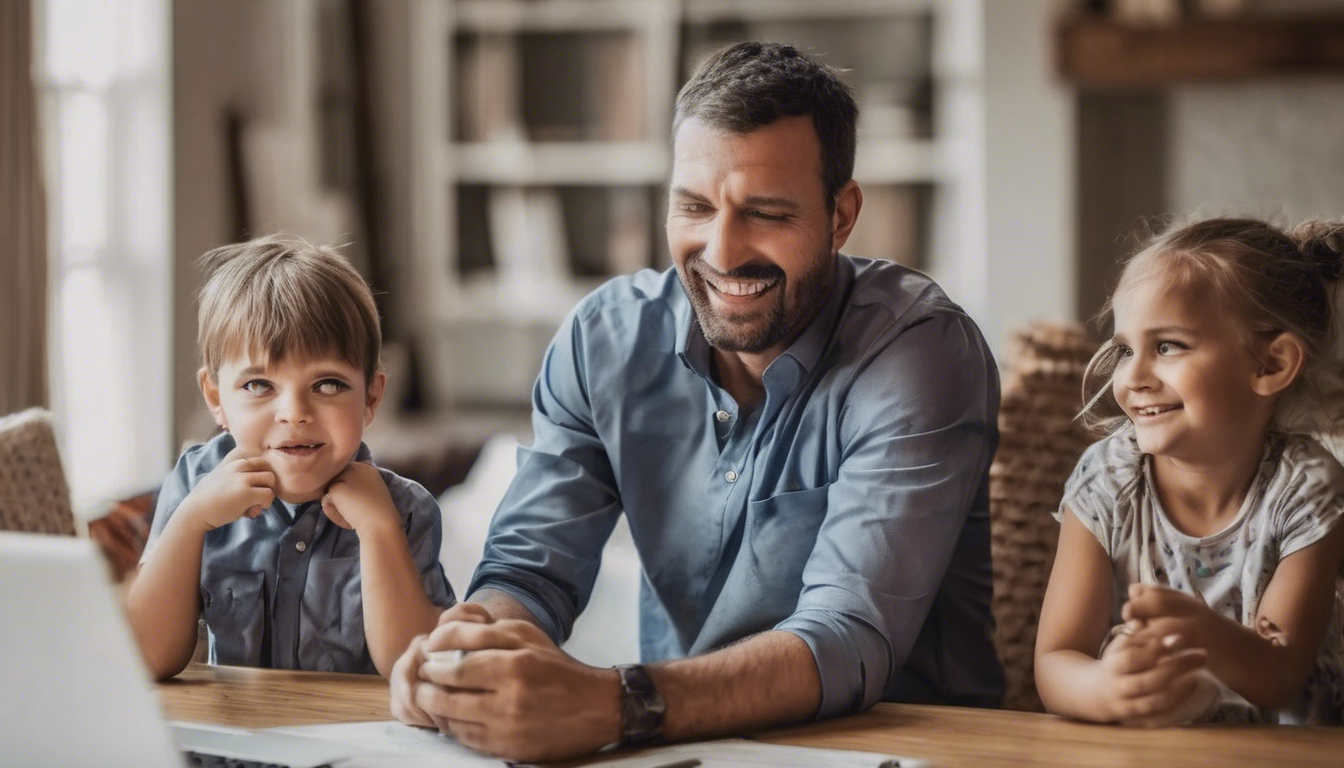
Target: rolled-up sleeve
x: 545, y: 541
x: 918, y: 432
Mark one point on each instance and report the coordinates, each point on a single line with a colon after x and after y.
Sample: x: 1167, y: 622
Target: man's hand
x: 1145, y: 678
x: 515, y: 695
x: 1163, y: 611
x: 240, y: 486
x: 358, y: 497
x: 406, y: 672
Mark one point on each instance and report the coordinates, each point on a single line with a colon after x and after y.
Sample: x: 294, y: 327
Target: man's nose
x: 725, y: 246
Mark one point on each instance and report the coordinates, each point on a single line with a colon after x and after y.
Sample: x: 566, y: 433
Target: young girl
x: 1195, y: 575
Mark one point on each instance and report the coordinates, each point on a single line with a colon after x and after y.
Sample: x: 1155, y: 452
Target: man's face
x: 750, y: 231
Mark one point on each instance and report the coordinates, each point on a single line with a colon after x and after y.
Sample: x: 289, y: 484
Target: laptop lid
x: 73, y: 687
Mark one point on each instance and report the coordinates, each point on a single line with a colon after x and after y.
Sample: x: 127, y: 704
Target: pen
x: 688, y: 763
x: 446, y: 657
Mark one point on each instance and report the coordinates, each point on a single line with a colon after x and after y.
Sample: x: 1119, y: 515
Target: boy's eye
x: 331, y: 387
x: 257, y: 386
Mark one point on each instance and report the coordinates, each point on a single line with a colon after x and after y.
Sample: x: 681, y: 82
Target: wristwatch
x: 642, y: 707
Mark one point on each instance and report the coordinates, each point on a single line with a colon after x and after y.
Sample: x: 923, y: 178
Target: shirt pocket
x: 234, y: 606
x: 331, y: 636
x: 781, y: 534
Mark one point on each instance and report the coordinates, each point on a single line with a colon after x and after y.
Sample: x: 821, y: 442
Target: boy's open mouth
x: 299, y: 449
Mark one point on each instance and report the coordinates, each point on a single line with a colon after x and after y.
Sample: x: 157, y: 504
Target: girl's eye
x: 1168, y: 347
x: 1124, y: 351
x: 257, y: 387
x: 331, y: 387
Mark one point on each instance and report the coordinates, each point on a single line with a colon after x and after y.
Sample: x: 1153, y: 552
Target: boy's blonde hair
x: 1269, y: 280
x: 280, y: 295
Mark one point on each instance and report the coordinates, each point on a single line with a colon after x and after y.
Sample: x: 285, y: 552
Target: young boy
x: 300, y: 553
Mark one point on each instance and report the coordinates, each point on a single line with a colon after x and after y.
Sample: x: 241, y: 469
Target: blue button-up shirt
x: 282, y: 590
x: 850, y: 507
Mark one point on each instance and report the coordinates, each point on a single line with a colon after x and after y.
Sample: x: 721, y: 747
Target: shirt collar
x: 693, y: 348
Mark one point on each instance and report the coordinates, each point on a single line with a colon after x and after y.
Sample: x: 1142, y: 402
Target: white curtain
x: 103, y: 71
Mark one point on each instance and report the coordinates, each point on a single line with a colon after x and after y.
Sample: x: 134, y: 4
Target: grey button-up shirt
x: 282, y: 590
x: 850, y: 507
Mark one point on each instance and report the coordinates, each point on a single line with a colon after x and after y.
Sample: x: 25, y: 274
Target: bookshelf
x: 541, y: 146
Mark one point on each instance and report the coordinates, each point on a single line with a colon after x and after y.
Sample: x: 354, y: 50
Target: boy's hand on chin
x: 358, y: 498
x: 241, y: 486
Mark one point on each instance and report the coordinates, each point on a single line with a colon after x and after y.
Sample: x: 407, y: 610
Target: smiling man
x: 799, y: 440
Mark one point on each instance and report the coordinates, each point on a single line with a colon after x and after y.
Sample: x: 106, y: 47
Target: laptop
x: 74, y: 690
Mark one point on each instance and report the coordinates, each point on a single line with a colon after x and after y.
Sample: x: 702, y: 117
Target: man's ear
x: 848, y: 201
x: 210, y: 391
x: 1283, y: 360
x: 374, y: 396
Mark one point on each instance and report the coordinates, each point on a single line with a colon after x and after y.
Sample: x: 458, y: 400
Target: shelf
x: 896, y: 161
x: 709, y: 11
x: 1103, y: 54
x: 506, y: 16
x: 582, y: 163
x: 495, y: 301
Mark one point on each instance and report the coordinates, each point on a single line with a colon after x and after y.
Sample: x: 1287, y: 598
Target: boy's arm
x: 395, y: 604
x: 164, y: 602
x: 1267, y: 664
x: 1134, y: 679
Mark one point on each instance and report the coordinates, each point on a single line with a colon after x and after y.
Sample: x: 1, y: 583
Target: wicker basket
x: 1039, y: 444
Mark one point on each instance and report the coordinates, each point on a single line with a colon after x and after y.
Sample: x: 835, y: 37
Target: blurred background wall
x: 488, y: 162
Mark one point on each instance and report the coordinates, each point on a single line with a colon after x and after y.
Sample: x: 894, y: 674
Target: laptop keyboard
x: 198, y: 760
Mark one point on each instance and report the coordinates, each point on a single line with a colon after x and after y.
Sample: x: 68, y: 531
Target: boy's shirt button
x: 300, y: 545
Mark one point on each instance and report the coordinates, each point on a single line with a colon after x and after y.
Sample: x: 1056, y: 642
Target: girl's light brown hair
x: 1270, y: 281
x: 280, y: 295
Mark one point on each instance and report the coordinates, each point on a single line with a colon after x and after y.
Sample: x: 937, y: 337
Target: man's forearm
x: 503, y: 605
x: 767, y: 679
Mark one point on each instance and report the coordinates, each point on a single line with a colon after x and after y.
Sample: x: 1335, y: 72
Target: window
x: 102, y: 71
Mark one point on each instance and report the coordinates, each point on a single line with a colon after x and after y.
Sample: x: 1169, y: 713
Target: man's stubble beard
x: 780, y: 319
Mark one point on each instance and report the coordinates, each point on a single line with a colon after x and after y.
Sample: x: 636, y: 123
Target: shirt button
x: 723, y: 416
x: 300, y: 545
x: 730, y: 476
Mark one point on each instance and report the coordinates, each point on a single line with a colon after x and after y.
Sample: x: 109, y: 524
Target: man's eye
x: 257, y: 386
x: 331, y: 387
x: 767, y: 216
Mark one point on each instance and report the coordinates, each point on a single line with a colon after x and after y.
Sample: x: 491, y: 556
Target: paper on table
x: 743, y: 753
x: 390, y: 743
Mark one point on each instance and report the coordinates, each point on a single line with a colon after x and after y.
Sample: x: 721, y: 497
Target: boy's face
x: 304, y: 417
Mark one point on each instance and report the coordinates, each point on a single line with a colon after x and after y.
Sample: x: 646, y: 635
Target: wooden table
x: 947, y: 736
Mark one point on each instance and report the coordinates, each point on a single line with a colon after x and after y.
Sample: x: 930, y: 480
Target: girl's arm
x: 396, y: 607
x: 1133, y: 680
x: 1269, y: 665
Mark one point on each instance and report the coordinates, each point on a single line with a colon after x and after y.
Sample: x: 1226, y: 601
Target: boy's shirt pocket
x: 234, y: 606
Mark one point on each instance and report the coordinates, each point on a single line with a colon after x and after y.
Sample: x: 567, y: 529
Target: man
x: 799, y: 440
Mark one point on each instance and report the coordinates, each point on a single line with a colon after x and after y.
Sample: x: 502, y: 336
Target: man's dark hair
x: 750, y: 85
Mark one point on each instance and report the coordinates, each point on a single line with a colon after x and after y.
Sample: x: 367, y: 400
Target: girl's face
x: 1184, y: 376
